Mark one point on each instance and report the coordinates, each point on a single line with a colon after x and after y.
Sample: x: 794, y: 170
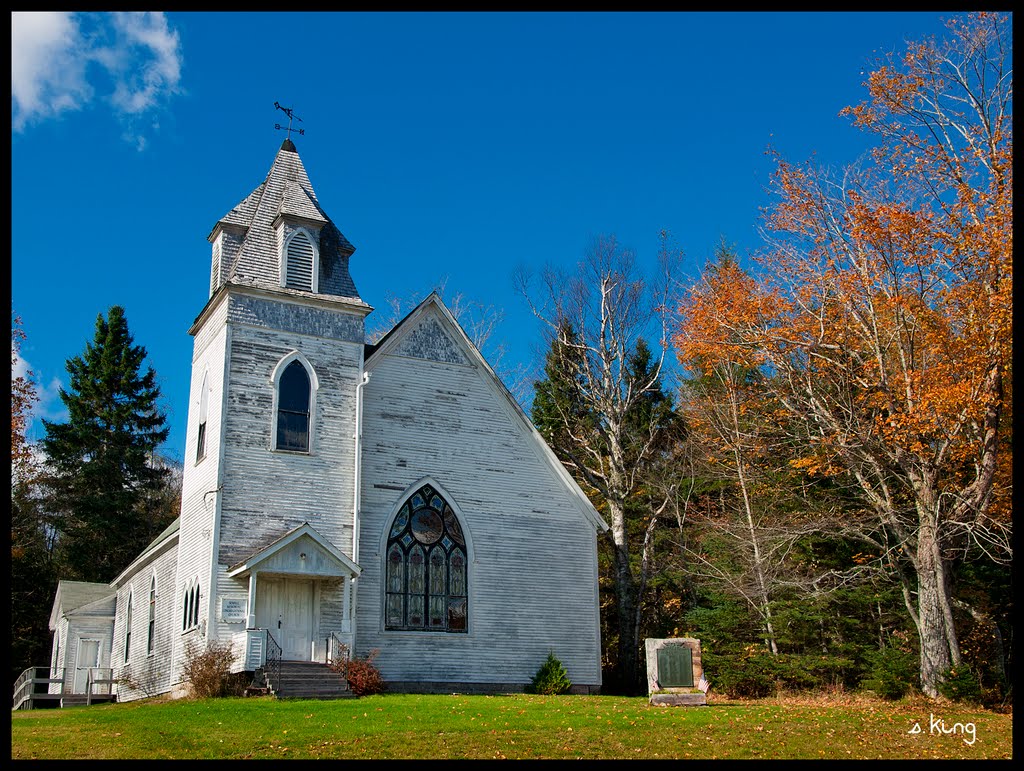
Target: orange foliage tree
x: 23, y: 396
x: 724, y: 406
x: 32, y: 574
x: 883, y: 312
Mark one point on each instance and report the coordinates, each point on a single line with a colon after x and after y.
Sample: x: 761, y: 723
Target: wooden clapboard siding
x: 267, y: 493
x: 331, y: 607
x: 75, y: 618
x: 201, y: 478
x: 60, y: 639
x: 532, y: 571
x: 151, y: 672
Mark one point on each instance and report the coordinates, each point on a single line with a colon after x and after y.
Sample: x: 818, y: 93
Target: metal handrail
x: 336, y: 654
x: 273, y: 661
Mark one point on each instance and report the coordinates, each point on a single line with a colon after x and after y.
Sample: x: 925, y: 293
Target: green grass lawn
x: 515, y: 726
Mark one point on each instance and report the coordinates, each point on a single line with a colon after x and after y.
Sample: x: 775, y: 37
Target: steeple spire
x: 254, y: 237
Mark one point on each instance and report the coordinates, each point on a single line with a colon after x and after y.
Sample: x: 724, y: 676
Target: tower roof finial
x: 287, y: 144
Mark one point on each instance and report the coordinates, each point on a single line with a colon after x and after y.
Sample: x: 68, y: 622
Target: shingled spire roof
x: 285, y: 192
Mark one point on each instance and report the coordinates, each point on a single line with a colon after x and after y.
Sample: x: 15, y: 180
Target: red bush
x: 363, y: 677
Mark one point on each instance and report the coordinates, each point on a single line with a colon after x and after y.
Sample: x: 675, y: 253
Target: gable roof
x: 286, y: 191
x: 75, y: 595
x: 166, y: 539
x: 392, y: 342
x: 305, y: 529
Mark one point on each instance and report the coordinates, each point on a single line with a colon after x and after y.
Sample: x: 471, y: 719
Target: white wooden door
x: 88, y: 658
x: 285, y: 607
x: 298, y: 621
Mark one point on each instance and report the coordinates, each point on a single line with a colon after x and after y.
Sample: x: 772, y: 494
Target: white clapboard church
x: 340, y: 495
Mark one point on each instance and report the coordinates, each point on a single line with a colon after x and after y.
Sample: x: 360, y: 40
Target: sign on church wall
x: 233, y: 609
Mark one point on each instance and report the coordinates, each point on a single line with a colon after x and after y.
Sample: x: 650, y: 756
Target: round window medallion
x: 426, y: 525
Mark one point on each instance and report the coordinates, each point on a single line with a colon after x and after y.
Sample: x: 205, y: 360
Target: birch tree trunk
x: 597, y: 320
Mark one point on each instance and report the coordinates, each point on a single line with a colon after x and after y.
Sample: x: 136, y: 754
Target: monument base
x: 678, y: 700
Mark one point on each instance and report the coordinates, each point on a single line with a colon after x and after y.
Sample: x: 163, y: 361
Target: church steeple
x: 279, y: 238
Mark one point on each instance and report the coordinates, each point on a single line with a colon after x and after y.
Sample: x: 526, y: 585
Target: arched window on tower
x: 425, y: 567
x: 203, y: 406
x: 293, y: 409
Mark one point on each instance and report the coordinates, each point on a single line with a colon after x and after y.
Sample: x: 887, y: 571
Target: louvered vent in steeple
x: 215, y: 268
x: 301, y: 263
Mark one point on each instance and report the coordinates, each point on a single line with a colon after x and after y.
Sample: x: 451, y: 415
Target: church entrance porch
x: 300, y: 590
x: 287, y: 607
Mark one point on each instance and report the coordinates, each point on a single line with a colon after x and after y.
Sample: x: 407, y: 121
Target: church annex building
x: 343, y: 496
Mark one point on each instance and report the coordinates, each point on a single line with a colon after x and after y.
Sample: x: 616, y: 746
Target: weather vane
x: 288, y: 111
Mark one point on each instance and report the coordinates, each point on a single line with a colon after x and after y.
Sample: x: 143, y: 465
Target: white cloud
x: 47, y: 66
x: 150, y: 49
x: 19, y: 367
x: 48, y: 404
x: 66, y: 61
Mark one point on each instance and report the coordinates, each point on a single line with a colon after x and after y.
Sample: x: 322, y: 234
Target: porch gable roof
x: 262, y: 556
x: 74, y: 595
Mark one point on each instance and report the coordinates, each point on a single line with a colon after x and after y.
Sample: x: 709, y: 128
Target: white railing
x: 59, y: 683
x: 337, y: 653
x: 253, y: 645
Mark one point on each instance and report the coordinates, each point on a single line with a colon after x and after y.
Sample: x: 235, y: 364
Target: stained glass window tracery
x: 425, y: 567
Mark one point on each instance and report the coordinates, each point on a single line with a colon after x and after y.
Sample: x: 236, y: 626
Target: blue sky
x: 449, y: 148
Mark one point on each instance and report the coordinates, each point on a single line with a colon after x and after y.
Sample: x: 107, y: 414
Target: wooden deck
x: 45, y: 688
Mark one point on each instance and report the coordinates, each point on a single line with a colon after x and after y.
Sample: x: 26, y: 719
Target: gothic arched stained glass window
x: 425, y: 567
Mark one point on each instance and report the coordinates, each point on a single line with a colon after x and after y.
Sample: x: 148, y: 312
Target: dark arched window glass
x: 425, y: 570
x: 152, y: 616
x: 128, y: 629
x: 186, y: 611
x: 293, y: 409
x: 190, y: 605
x: 203, y: 409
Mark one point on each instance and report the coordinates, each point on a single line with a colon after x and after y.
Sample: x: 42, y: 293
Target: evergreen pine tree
x: 557, y: 410
x: 551, y: 679
x: 104, y: 486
